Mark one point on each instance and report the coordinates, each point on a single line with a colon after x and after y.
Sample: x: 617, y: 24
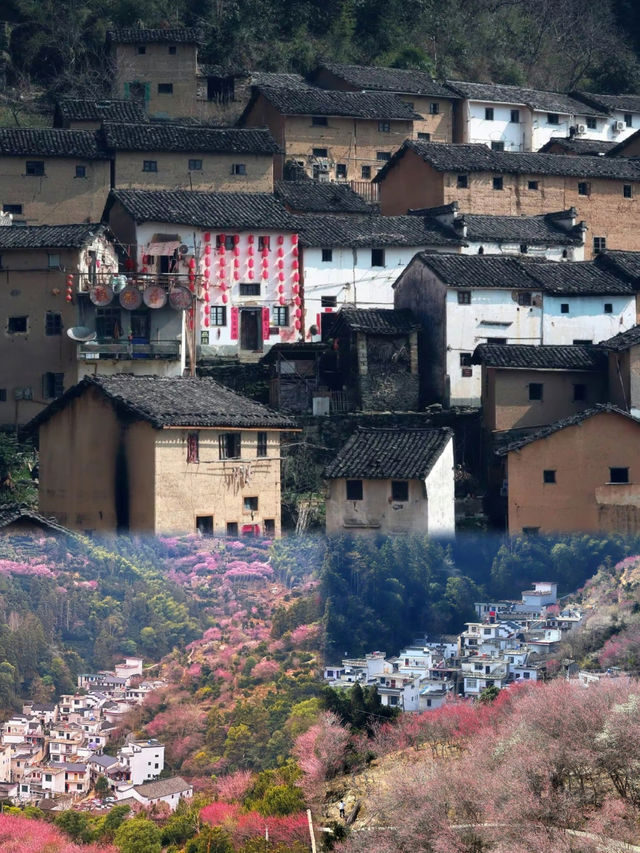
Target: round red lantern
x: 298, y: 313
x: 250, y: 275
x: 297, y: 324
x: 281, y: 288
x: 222, y: 251
x: 294, y: 265
x: 281, y: 276
x: 223, y: 286
x: 296, y: 277
x: 236, y: 275
x: 295, y: 288
x: 69, y: 297
x: 236, y: 262
x: 265, y: 274
x: 207, y: 249
x: 236, y: 239
x: 250, y: 263
x: 281, y: 252
x: 250, y: 251
x: 294, y: 239
x: 297, y: 301
x: 207, y: 237
x: 192, y: 263
x: 251, y: 239
x: 225, y: 298
x: 207, y: 298
x: 265, y: 252
x: 236, y: 252
x: 280, y: 239
x: 223, y: 262
x: 294, y: 251
x: 207, y: 261
x: 282, y: 300
x: 206, y: 309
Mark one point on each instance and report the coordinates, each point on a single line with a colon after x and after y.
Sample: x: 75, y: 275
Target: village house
x: 89, y: 114
x: 309, y: 196
x: 238, y: 252
x: 603, y: 190
x: 141, y: 760
x: 169, y: 791
x: 392, y: 481
x: 623, y: 357
x: 176, y: 455
x: 623, y: 113
x: 578, y: 474
x: 514, y: 118
x: 434, y: 101
x: 577, y: 145
x: 332, y: 135
x: 50, y: 176
x: 17, y: 520
x: 42, y: 266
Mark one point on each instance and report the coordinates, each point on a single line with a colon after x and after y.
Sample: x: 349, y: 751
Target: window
x: 583, y: 188
x: 35, y: 167
x: 17, y: 325
x: 328, y: 301
x: 319, y: 152
x: 434, y: 109
x: 341, y: 170
x: 319, y: 121
x: 52, y: 323
x: 53, y: 261
x: 465, y: 359
x: 535, y: 390
x: 564, y: 307
x: 261, y: 444
x: 553, y: 118
x: 52, y: 385
x: 173, y: 49
x: 581, y: 342
x: 618, y: 475
x: 383, y: 155
x: 251, y: 288
x: 229, y: 445
x: 204, y: 525
x: 524, y: 298
x: 142, y: 49
x: 488, y: 113
x: 81, y: 171
x: 399, y: 491
x: 149, y: 165
x: 599, y: 244
x: 354, y: 490
x: 365, y: 173
x: 3, y: 395
x: 579, y: 393
x: 462, y: 182
x: 264, y: 242
x: 280, y: 315
x: 108, y: 324
x: 377, y: 257
x: 628, y: 119
x: 16, y: 209
x: 193, y: 447
x: 425, y: 137
x: 384, y: 127
x: 165, y: 88
x: 327, y: 255
x: 228, y: 241
x: 608, y: 308
x: 627, y: 191
x: 195, y: 165
x: 531, y: 531
x: 232, y: 528
x: 500, y: 341
x: 523, y: 251
x: 498, y: 183
x: 548, y: 476
x: 464, y: 297
x: 239, y: 169
x: 497, y: 146
x: 515, y: 117
x: 269, y: 527
x: 533, y: 185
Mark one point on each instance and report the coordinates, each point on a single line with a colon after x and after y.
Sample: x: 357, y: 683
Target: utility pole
x: 311, y: 835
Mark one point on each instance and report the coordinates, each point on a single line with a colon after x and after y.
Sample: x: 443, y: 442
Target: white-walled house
x: 623, y: 113
x: 392, y: 481
x: 143, y: 760
x: 169, y: 791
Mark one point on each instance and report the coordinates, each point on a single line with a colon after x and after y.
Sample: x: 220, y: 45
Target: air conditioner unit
x: 618, y: 126
x: 581, y: 128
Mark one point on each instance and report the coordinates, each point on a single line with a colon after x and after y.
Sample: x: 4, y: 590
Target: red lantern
x: 223, y: 286
x: 225, y: 298
x: 265, y: 274
x: 207, y: 237
x: 207, y: 298
x: 281, y: 252
x: 69, y: 297
x: 282, y: 300
x: 294, y: 265
x: 207, y: 249
x: 251, y: 239
x: 222, y: 238
x: 265, y: 252
x: 236, y: 263
x: 236, y: 252
x: 236, y: 275
x: 297, y: 324
x: 206, y: 309
x: 281, y: 276
x: 250, y: 251
x: 222, y: 251
x: 250, y: 263
x: 223, y: 262
x: 206, y: 322
x: 236, y: 239
x: 294, y: 239
x: 297, y: 300
x: 296, y: 277
x: 192, y: 263
x: 207, y: 261
x: 295, y: 289
x: 281, y: 288
x: 298, y: 313
x: 207, y: 274
x: 294, y: 251
x: 144, y: 269
x: 280, y: 239
x: 250, y: 275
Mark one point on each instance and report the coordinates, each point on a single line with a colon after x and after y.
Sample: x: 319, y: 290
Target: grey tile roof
x: 404, y: 81
x: 159, y: 136
x: 50, y: 142
x: 475, y: 157
x: 309, y: 196
x: 534, y: 230
x: 141, y: 35
x: 380, y: 454
x: 580, y: 277
x: 535, y: 99
x: 620, y: 262
x: 575, y: 145
x: 205, y: 210
x: 175, y: 401
x: 623, y: 340
x: 376, y: 321
x: 548, y: 430
x: 278, y: 80
x: 325, y: 102
x: 474, y: 271
x: 102, y: 760
x: 544, y: 357
x: 48, y: 236
x: 373, y: 230
x: 102, y: 109
x: 163, y: 788
x: 619, y: 149
x: 611, y: 103
x: 9, y: 514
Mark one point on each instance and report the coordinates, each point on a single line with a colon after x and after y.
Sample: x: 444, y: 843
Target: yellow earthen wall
x: 173, y: 171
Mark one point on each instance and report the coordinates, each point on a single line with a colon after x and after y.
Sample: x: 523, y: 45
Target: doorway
x: 251, y: 329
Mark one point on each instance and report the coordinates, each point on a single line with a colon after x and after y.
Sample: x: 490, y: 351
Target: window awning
x: 167, y: 248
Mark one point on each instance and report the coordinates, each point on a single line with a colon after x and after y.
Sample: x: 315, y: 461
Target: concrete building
x: 142, y: 760
x: 169, y: 791
x: 623, y: 113
x: 179, y: 454
x: 392, y: 481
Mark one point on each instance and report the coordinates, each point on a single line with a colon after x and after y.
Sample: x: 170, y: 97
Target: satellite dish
x: 82, y: 334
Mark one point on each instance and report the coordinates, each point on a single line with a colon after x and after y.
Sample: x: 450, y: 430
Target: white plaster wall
x: 440, y: 494
x: 501, y: 129
x: 620, y: 135
x: 467, y: 326
x: 586, y: 319
x: 550, y: 252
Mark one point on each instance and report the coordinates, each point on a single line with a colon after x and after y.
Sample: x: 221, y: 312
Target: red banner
x: 234, y: 324
x: 265, y: 324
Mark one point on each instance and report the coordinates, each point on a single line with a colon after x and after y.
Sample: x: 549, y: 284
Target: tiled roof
x: 324, y: 102
x: 475, y: 157
x: 529, y: 357
x: 141, y: 35
x: 173, y: 401
x: 534, y: 230
x: 580, y: 277
x: 548, y: 430
x: 176, y: 137
x: 377, y: 321
x: 105, y: 109
x: 404, y: 81
x: 163, y: 787
x: 535, y: 99
x: 48, y: 236
x: 373, y: 230
x: 9, y: 514
x: 309, y: 196
x: 622, y: 341
x: 239, y: 211
x: 380, y: 454
x: 611, y: 103
x: 620, y: 262
x: 277, y: 80
x: 491, y: 271
x: 619, y: 149
x: 575, y: 145
x: 103, y: 760
x: 50, y: 142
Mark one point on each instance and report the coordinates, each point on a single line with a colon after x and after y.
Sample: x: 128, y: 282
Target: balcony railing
x: 125, y: 350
